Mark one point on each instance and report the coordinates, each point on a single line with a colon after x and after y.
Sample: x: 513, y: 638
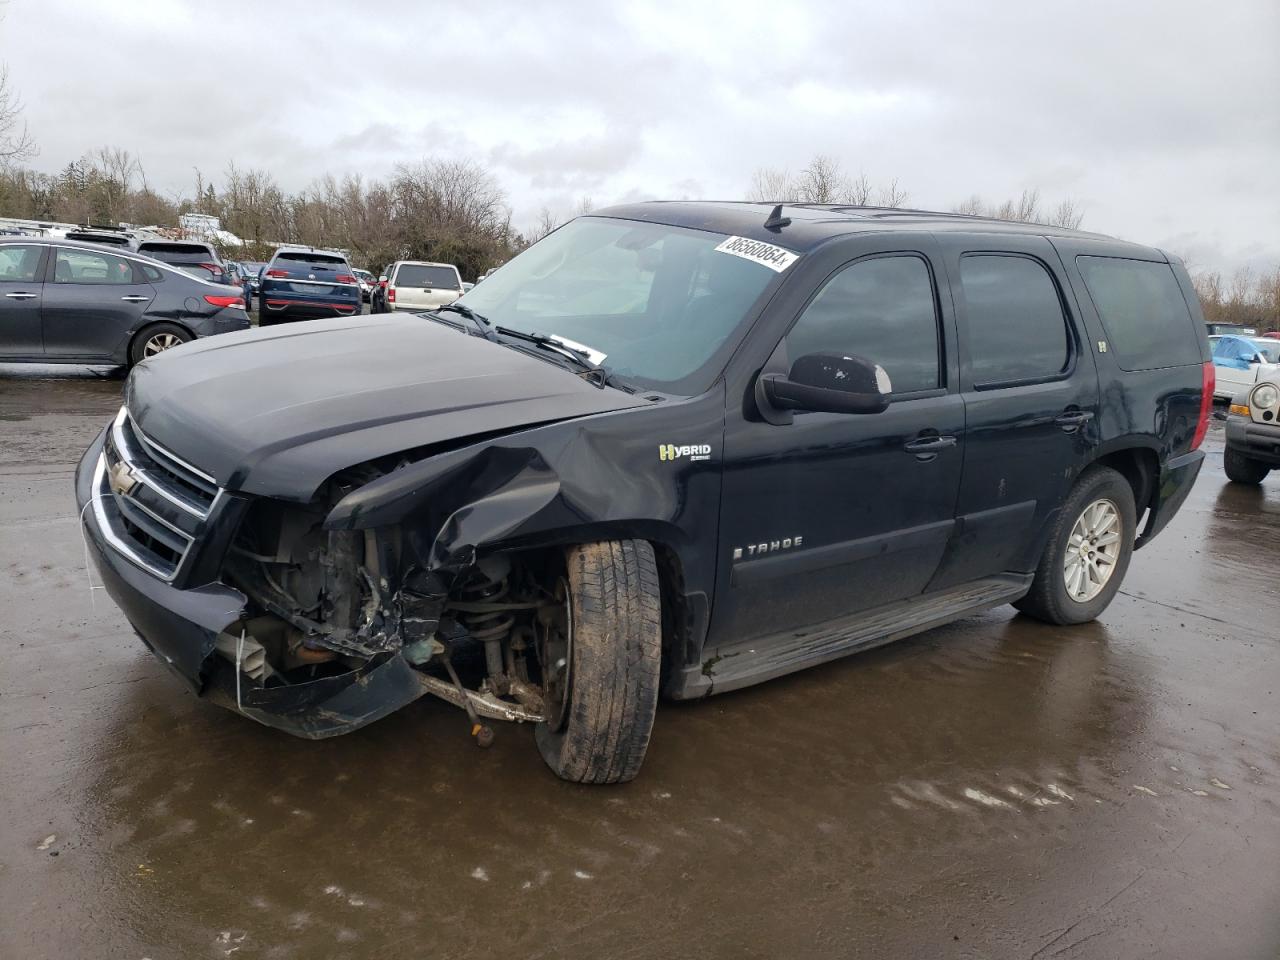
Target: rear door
x: 421, y: 286
x: 21, y: 292
x: 1030, y: 390
x: 91, y: 304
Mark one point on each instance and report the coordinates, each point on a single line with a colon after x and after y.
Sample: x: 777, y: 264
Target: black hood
x: 276, y: 412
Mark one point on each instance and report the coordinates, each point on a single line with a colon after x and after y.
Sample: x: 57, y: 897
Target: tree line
x: 455, y: 211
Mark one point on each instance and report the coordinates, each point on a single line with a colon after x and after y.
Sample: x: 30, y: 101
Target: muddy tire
x: 615, y: 659
x: 1100, y: 498
x: 1242, y: 469
x: 156, y: 339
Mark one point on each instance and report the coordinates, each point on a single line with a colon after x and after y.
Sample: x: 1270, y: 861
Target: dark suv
x: 677, y: 447
x: 302, y: 283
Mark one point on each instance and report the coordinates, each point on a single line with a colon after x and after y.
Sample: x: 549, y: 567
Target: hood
x: 276, y: 412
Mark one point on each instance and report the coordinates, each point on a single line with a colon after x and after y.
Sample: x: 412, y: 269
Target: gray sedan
x: 62, y: 301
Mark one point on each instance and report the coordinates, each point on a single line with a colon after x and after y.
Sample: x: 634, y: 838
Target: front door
x: 836, y: 513
x: 91, y: 304
x: 21, y: 271
x: 1030, y: 391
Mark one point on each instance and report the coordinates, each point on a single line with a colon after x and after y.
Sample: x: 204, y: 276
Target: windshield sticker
x: 697, y: 451
x: 765, y: 254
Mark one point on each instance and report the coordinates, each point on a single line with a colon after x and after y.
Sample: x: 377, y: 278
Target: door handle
x: 22, y: 296
x: 135, y: 299
x: 928, y: 445
x: 1073, y: 419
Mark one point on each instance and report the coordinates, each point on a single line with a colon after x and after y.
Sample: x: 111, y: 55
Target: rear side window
x: 1143, y: 311
x: 418, y: 275
x: 84, y: 266
x: 1016, y: 326
x: 882, y: 310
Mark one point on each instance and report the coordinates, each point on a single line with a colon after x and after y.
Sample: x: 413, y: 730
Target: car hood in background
x: 276, y: 412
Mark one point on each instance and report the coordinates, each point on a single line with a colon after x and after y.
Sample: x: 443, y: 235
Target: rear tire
x: 1242, y: 469
x: 615, y: 656
x: 1099, y: 491
x: 155, y: 339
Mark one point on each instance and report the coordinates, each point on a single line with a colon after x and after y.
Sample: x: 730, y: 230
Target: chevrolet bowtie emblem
x: 121, y: 479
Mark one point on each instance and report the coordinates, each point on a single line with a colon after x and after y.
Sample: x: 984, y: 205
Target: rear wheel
x: 1242, y: 469
x: 600, y: 659
x: 157, y: 339
x: 1088, y: 551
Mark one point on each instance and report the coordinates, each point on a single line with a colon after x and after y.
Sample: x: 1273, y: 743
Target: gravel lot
x: 994, y: 788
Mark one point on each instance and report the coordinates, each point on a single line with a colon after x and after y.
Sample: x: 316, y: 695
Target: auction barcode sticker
x: 765, y: 254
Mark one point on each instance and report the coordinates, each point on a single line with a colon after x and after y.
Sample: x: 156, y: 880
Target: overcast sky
x: 1161, y: 119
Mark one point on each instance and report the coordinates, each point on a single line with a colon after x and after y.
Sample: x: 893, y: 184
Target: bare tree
x: 585, y: 206
x: 546, y: 223
x: 771, y: 184
x: 1066, y: 214
x: 823, y: 181
x: 16, y: 144
x: 891, y: 194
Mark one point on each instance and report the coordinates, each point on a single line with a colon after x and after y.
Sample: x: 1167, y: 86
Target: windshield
x: 421, y: 275
x: 659, y: 301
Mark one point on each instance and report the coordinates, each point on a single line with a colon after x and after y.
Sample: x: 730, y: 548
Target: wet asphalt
x: 994, y: 788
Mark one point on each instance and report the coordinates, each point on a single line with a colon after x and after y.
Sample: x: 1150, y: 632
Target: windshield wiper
x: 596, y: 373
x: 483, y: 324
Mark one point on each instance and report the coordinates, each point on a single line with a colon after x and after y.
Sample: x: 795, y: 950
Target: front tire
x: 1242, y: 469
x: 1088, y: 551
x: 156, y: 339
x: 602, y: 688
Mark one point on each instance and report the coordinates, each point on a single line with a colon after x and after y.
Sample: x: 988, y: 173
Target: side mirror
x: 830, y: 383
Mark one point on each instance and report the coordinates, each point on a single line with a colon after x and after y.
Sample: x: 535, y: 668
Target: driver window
x: 883, y: 310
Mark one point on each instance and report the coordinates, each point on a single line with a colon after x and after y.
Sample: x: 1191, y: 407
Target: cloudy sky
x: 1161, y: 119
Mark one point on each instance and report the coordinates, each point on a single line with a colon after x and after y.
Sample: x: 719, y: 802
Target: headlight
x: 1265, y: 396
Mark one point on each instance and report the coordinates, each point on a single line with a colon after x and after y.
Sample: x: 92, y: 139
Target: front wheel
x: 1242, y: 469
x: 157, y: 339
x: 600, y: 661
x: 1088, y: 551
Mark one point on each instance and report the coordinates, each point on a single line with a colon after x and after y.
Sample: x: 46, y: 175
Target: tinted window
x: 83, y: 266
x: 19, y: 263
x: 179, y: 252
x: 881, y: 310
x: 1017, y: 330
x: 149, y: 273
x: 417, y: 275
x: 309, y: 260
x: 1142, y: 310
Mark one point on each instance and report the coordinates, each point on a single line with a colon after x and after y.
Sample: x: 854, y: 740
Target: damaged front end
x: 311, y: 630
x: 340, y: 617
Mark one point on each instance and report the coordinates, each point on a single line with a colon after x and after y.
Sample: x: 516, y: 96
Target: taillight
x: 277, y: 274
x: 345, y: 278
x: 213, y: 268
x: 1208, y: 381
x: 219, y: 301
x: 391, y: 294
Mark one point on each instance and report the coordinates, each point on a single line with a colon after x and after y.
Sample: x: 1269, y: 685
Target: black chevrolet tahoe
x: 672, y: 448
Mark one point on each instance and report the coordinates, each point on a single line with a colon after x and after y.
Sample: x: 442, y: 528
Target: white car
x: 1240, y: 362
x: 418, y: 285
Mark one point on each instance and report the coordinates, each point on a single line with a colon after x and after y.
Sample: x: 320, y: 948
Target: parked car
x: 195, y: 257
x: 252, y: 270
x: 1253, y: 432
x: 105, y: 236
x: 64, y: 301
x: 1242, y: 362
x: 684, y: 447
x: 367, y: 282
x: 416, y: 285
x: 302, y: 283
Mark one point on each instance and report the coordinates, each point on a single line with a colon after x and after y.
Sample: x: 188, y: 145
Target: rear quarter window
x: 1143, y: 312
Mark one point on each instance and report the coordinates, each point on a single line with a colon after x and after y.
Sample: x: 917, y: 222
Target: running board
x: 740, y: 665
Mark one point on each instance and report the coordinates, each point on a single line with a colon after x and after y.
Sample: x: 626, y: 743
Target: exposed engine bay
x: 491, y: 637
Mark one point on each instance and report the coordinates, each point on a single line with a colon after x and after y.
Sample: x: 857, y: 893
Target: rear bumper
x: 181, y: 627
x: 1257, y: 441
x: 274, y: 308
x: 1177, y: 477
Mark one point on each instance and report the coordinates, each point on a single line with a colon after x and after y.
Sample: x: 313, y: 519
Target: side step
x: 740, y: 665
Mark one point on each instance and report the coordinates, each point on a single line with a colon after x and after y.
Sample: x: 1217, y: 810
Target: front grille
x: 151, y: 505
